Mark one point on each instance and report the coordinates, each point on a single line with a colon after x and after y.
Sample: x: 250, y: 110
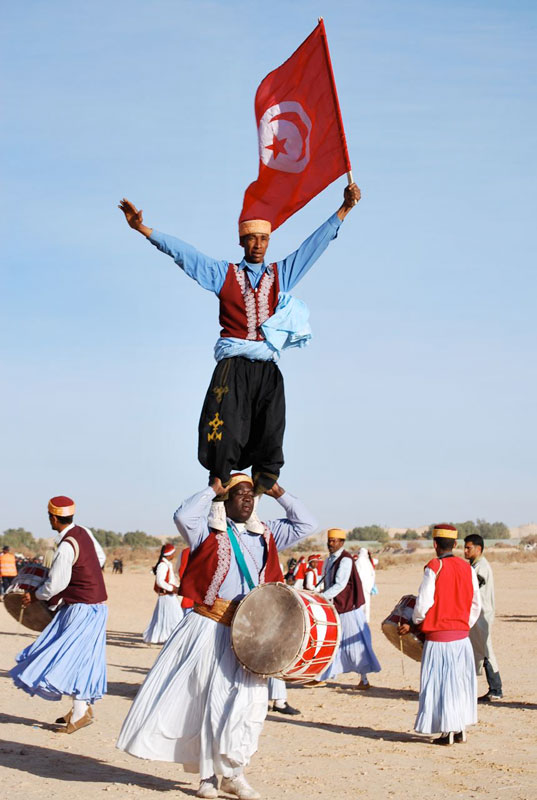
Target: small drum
x: 36, y: 616
x: 412, y: 643
x: 280, y: 632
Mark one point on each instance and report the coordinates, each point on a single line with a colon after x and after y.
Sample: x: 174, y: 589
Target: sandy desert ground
x: 345, y: 743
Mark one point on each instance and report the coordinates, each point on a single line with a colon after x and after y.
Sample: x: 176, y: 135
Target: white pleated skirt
x: 197, y: 706
x: 68, y: 657
x: 448, y: 687
x: 355, y: 652
x: 166, y: 617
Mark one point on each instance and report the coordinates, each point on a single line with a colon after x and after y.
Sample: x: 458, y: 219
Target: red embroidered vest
x: 87, y: 582
x: 452, y: 596
x: 352, y: 596
x: 209, y: 564
x: 243, y: 309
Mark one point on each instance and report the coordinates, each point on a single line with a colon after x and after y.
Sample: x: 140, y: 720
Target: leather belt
x: 221, y: 611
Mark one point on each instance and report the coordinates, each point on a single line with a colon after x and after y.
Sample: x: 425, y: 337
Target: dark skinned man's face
x: 334, y: 544
x: 240, y: 505
x: 255, y: 246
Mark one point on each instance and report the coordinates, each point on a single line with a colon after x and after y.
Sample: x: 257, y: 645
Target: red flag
x: 302, y: 146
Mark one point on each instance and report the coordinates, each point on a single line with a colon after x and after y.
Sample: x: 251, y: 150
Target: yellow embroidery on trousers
x: 215, y: 424
x: 220, y: 391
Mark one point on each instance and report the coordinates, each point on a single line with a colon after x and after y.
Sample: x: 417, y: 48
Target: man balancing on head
x: 68, y: 657
x: 198, y: 706
x: 243, y: 417
x: 447, y: 606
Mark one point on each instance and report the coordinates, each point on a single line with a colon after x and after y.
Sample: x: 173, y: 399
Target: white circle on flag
x: 284, y: 137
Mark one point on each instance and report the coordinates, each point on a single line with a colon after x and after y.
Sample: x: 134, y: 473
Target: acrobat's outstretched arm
x: 134, y: 217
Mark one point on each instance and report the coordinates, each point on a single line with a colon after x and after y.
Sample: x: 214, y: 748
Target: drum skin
x: 281, y: 632
x: 36, y: 616
x: 412, y: 643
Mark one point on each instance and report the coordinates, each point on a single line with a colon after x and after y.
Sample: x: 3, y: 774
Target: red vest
x: 209, y: 564
x: 186, y: 602
x: 243, y: 309
x: 452, y: 596
x: 352, y: 596
x: 87, y: 583
x: 168, y: 579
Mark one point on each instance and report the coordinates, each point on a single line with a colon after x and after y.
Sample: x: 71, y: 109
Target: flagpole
x: 336, y: 100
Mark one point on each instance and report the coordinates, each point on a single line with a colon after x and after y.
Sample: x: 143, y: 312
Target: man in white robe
x: 481, y: 633
x: 198, y: 706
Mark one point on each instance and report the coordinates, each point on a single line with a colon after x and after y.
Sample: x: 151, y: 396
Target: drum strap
x: 241, y: 563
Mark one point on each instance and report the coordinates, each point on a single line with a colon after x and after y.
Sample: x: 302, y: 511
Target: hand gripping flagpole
x: 336, y: 100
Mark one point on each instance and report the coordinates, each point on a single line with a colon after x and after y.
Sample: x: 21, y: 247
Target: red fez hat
x: 444, y: 531
x: 169, y: 550
x: 61, y: 506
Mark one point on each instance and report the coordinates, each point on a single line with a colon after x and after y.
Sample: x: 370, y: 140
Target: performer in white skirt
x: 447, y: 606
x: 341, y: 583
x: 68, y: 657
x: 366, y: 570
x: 168, y: 612
x: 198, y: 706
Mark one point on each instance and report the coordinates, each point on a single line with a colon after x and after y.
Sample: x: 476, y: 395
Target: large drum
x: 281, y: 632
x: 412, y: 643
x: 36, y: 616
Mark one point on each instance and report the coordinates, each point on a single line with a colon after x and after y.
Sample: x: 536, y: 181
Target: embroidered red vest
x: 243, y: 309
x: 209, y: 564
x: 87, y: 582
x: 352, y: 596
x: 452, y: 596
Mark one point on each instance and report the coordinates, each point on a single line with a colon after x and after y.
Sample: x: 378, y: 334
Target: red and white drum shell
x: 411, y: 644
x: 36, y: 616
x: 321, y: 638
x: 29, y: 577
x: 282, y: 632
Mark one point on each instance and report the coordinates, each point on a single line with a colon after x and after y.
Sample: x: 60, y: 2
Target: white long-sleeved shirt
x: 162, y: 574
x: 334, y: 584
x: 425, y: 599
x: 311, y: 579
x: 62, y: 564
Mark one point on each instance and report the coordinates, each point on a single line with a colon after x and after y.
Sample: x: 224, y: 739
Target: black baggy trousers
x: 242, y: 421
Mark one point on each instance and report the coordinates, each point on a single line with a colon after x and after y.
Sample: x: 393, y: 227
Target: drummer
x: 68, y: 657
x: 198, y: 706
x: 447, y: 606
x: 342, y: 585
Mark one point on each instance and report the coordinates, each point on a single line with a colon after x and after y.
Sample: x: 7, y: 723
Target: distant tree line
x: 131, y: 539
x: 20, y: 539
x: 376, y: 533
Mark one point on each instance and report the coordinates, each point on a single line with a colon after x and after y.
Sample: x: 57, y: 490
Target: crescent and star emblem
x: 284, y: 137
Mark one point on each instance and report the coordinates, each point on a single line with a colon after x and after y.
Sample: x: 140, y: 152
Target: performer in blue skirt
x: 68, y: 657
x: 342, y: 585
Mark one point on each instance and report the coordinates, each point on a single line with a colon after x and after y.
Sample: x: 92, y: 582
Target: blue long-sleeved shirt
x: 211, y: 273
x: 191, y: 520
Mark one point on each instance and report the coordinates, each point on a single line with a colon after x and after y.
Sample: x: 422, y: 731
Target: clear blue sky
x: 416, y: 400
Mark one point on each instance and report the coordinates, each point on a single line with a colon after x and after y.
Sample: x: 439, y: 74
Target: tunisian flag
x: 302, y: 146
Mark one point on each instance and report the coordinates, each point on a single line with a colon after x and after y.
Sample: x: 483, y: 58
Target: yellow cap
x: 336, y: 533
